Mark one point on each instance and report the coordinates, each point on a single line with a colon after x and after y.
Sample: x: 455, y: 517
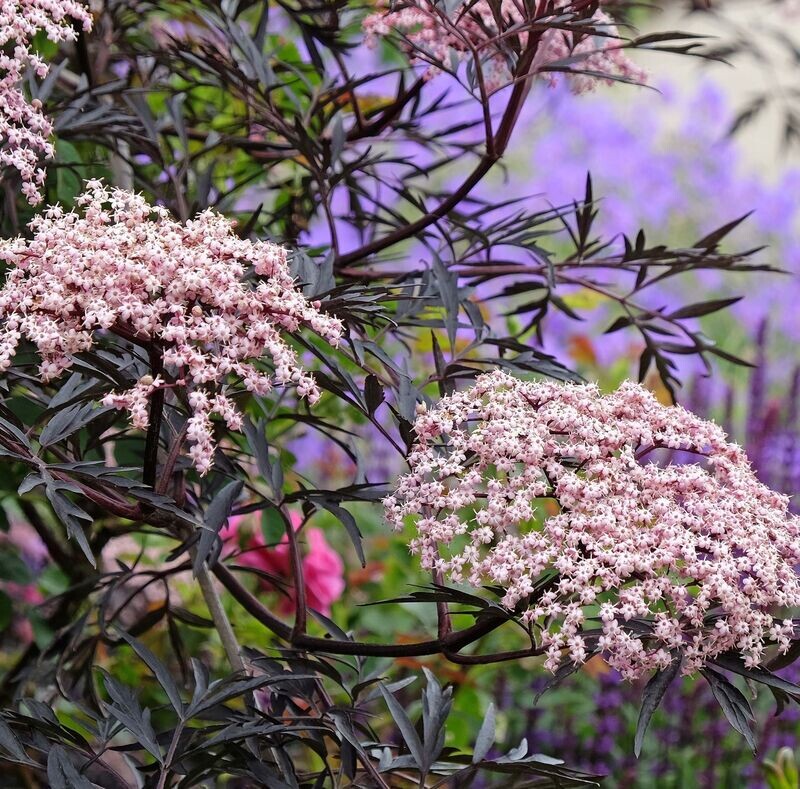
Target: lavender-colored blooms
x: 689, y: 743
x: 767, y: 420
x: 659, y: 161
x: 676, y: 179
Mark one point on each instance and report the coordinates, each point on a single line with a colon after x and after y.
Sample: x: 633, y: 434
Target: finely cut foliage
x: 208, y: 304
x: 24, y: 129
x: 587, y: 50
x: 680, y: 558
x: 192, y: 554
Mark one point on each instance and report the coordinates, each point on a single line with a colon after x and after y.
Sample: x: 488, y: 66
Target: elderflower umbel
x: 510, y: 480
x: 431, y: 38
x: 24, y: 129
x: 121, y: 265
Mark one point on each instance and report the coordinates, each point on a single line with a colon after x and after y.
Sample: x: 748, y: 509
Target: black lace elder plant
x: 186, y: 345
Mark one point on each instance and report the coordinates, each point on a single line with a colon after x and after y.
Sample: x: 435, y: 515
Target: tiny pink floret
x: 511, y: 480
x: 216, y: 305
x: 24, y: 129
x: 430, y: 39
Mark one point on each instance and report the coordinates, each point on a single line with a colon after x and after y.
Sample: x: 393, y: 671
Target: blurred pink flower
x: 33, y: 553
x: 24, y: 597
x: 24, y: 593
x: 28, y: 542
x: 323, y: 569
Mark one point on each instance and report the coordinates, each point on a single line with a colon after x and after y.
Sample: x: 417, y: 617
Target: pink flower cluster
x: 213, y: 304
x: 323, y: 570
x: 24, y: 129
x: 510, y: 480
x: 430, y: 37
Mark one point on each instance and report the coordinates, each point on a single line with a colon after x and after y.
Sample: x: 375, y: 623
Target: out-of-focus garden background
x: 708, y: 142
